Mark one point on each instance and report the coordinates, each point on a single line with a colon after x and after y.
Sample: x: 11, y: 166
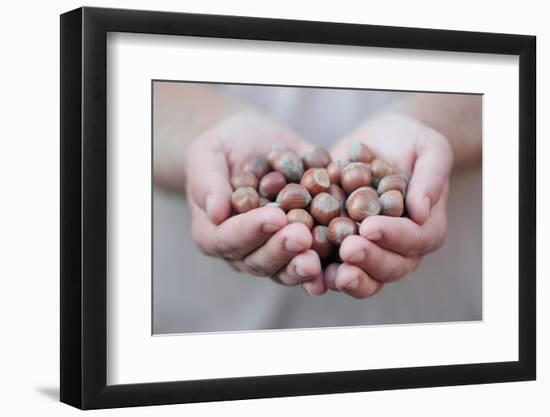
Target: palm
x: 399, y: 243
x: 240, y: 138
x: 260, y: 241
x: 394, y: 139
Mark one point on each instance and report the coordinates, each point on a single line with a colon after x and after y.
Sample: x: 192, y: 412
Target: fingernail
x: 352, y: 285
x: 357, y: 258
x: 305, y: 287
x: 270, y: 228
x: 292, y: 246
x: 374, y: 236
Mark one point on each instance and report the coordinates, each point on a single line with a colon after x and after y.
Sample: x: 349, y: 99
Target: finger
x: 355, y: 282
x: 279, y: 250
x: 303, y: 267
x: 208, y: 182
x: 404, y: 236
x: 239, y: 235
x: 329, y: 276
x: 381, y: 264
x: 316, y: 286
x: 430, y: 173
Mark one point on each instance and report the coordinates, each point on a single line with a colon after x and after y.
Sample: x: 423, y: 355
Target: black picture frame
x: 84, y: 207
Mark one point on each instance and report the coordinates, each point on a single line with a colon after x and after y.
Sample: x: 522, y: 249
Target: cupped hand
x: 388, y: 248
x: 259, y: 242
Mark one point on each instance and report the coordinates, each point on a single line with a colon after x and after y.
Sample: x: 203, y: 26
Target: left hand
x: 258, y: 242
x: 388, y: 248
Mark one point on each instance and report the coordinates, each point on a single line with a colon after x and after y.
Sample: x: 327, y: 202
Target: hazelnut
x: 392, y: 182
x: 316, y: 180
x: 275, y: 150
x: 324, y: 208
x: 245, y: 199
x: 243, y: 179
x: 300, y: 216
x: 354, y: 176
x: 363, y: 203
x: 320, y: 242
x: 290, y: 165
x: 339, y: 195
x: 256, y: 165
x: 271, y: 184
x: 293, y: 196
x: 335, y: 170
x: 318, y: 157
x: 264, y: 202
x: 380, y: 169
x: 359, y: 152
x: 340, y: 228
x: 392, y: 203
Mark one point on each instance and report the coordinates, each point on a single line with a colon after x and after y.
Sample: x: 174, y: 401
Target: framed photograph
x: 258, y: 208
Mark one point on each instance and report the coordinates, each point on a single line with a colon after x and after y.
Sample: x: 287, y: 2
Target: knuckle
x: 402, y: 269
x: 416, y: 247
x: 255, y: 269
x: 201, y: 243
x: 366, y: 293
x: 236, y: 266
x: 286, y: 277
x: 229, y: 251
x: 440, y: 237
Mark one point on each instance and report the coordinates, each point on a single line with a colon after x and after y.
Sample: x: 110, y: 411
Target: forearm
x: 181, y: 112
x: 457, y: 117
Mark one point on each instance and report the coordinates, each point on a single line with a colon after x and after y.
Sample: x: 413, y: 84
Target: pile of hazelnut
x: 330, y: 197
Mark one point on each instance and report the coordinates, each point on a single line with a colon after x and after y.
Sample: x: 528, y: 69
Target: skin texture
x: 259, y: 242
x: 389, y: 248
x: 197, y: 153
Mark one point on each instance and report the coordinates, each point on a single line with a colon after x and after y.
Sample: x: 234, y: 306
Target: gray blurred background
x: 196, y: 293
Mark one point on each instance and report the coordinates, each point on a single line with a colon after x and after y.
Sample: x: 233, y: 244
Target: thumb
x: 208, y: 183
x: 431, y: 171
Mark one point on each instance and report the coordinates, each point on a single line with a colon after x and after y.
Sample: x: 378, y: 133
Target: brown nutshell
x: 340, y: 228
x: 362, y: 203
x: 380, y: 168
x: 316, y: 180
x: 359, y: 152
x: 355, y: 175
x: 324, y: 208
x: 244, y: 179
x: 318, y: 157
x: 256, y: 165
x: 293, y: 196
x: 339, y: 195
x: 334, y: 170
x: 290, y: 165
x: 245, y: 199
x: 271, y: 184
x: 300, y: 216
x: 392, y: 182
x: 392, y: 203
x: 320, y: 242
x: 274, y: 152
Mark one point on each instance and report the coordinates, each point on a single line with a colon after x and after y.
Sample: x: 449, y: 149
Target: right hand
x: 259, y: 242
